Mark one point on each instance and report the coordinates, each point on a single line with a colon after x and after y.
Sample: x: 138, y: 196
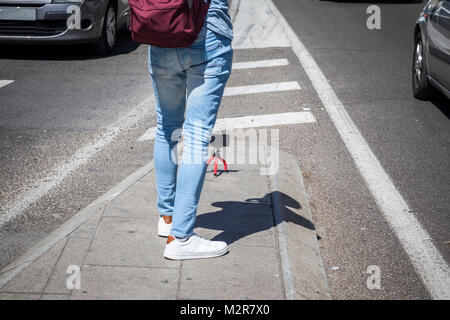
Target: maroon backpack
x: 167, y: 23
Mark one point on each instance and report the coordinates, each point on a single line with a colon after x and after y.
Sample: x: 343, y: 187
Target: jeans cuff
x: 182, y: 236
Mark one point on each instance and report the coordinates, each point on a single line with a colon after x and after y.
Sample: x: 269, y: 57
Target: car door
x: 439, y: 43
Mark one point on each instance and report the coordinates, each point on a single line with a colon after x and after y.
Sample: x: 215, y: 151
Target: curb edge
x: 287, y: 239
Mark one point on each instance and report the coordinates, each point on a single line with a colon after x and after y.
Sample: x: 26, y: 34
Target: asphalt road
x: 370, y: 72
x: 64, y: 99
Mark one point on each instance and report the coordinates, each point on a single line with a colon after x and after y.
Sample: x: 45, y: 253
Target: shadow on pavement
x: 442, y: 103
x: 66, y: 51
x: 240, y: 219
x: 220, y: 172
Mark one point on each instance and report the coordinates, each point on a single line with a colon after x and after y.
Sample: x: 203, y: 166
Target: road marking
x: 43, y: 186
x: 260, y: 64
x: 256, y: 28
x: 267, y: 120
x: 5, y: 82
x: 426, y: 259
x: 262, y: 88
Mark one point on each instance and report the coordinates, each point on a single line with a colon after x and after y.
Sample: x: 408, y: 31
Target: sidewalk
x: 265, y: 220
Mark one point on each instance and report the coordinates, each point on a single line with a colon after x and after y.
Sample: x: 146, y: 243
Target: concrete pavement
x: 114, y: 248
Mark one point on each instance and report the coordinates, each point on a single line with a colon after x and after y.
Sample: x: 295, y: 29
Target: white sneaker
x: 195, y: 247
x: 164, y: 225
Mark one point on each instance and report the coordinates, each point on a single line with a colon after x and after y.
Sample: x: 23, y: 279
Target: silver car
x: 431, y: 63
x: 63, y: 21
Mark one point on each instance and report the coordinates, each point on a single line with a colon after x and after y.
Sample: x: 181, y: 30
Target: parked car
x: 431, y: 63
x: 63, y: 21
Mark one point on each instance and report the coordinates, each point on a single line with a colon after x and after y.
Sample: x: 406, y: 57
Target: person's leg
x: 208, y: 66
x: 169, y: 85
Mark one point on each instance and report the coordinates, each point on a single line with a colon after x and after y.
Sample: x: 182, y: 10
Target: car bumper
x: 51, y: 24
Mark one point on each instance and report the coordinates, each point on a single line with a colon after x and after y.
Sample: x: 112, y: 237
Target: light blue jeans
x: 188, y: 84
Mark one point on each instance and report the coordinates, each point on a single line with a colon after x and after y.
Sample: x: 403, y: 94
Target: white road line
x: 426, y: 259
x: 43, y: 186
x: 5, y: 82
x: 256, y: 28
x: 262, y: 88
x: 267, y: 120
x: 260, y: 64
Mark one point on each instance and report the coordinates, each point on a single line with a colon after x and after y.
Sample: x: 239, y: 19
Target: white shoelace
x: 202, y: 240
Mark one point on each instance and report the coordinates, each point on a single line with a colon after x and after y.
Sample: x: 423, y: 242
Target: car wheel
x: 108, y: 38
x: 421, y: 86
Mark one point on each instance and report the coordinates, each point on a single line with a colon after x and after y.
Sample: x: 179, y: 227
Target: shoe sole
x: 163, y: 234
x: 193, y: 256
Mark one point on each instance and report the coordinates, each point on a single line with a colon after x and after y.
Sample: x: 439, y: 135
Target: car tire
x: 422, y: 88
x: 107, y: 41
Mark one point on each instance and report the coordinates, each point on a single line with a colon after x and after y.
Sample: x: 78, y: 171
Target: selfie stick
x: 218, y: 142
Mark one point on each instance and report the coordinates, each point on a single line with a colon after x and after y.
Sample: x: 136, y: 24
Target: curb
x: 302, y: 267
x: 36, y: 251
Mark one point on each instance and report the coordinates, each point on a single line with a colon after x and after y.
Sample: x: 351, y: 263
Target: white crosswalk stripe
x: 267, y: 120
x: 260, y: 64
x: 5, y: 82
x: 262, y: 88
